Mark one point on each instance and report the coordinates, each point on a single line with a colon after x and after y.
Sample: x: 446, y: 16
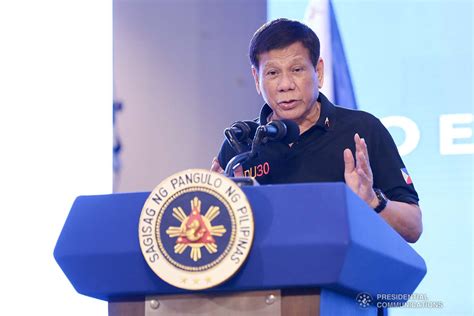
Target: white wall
x: 56, y: 141
x: 56, y: 117
x: 182, y: 73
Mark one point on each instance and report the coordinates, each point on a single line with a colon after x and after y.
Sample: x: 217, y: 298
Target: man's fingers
x: 356, y: 138
x: 216, y: 166
x: 358, y: 147
x: 364, y: 148
x: 364, y: 178
x: 357, y: 141
x: 349, y: 164
x: 363, y: 163
x: 362, y: 155
x: 239, y: 172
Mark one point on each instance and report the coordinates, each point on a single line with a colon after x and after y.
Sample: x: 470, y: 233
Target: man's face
x: 289, y: 83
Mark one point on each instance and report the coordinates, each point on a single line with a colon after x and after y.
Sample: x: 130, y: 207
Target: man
x: 334, y: 143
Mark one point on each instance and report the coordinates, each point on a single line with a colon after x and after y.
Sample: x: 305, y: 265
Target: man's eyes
x: 273, y: 73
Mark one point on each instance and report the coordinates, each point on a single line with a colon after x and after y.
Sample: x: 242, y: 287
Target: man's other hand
x: 216, y: 167
x: 358, y: 174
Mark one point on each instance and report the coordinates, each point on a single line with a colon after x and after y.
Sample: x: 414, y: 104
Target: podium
x: 318, y: 249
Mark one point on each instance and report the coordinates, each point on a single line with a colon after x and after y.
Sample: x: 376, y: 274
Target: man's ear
x: 320, y: 72
x: 255, y: 77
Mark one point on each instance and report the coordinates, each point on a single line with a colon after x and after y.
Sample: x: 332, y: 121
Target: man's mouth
x: 288, y: 104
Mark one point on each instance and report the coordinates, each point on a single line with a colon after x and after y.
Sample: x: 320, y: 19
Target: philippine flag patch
x: 406, y: 176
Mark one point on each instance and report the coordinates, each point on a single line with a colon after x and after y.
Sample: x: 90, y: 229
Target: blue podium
x: 317, y: 249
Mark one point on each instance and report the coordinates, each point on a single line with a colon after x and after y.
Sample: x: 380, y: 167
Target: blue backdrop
x: 413, y: 59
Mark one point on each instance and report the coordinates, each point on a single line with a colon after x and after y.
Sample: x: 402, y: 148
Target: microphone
x: 285, y: 131
x: 240, y: 135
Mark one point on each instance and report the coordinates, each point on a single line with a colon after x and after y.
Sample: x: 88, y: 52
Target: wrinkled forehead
x: 293, y: 53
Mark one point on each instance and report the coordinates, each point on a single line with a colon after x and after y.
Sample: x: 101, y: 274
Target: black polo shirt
x: 317, y: 155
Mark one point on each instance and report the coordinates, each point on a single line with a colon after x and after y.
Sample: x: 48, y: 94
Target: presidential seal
x: 196, y: 229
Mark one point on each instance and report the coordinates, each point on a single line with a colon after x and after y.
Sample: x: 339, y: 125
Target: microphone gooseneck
x: 285, y: 131
x: 240, y: 134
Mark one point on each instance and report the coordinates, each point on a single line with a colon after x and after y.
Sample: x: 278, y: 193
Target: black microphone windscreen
x: 243, y: 130
x: 240, y: 135
x: 292, y: 132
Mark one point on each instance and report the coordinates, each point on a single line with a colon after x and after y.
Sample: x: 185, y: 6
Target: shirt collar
x: 327, y: 116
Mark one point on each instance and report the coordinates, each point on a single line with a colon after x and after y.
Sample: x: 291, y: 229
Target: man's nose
x: 286, y: 82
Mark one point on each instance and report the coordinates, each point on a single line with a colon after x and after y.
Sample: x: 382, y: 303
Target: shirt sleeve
x: 389, y: 171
